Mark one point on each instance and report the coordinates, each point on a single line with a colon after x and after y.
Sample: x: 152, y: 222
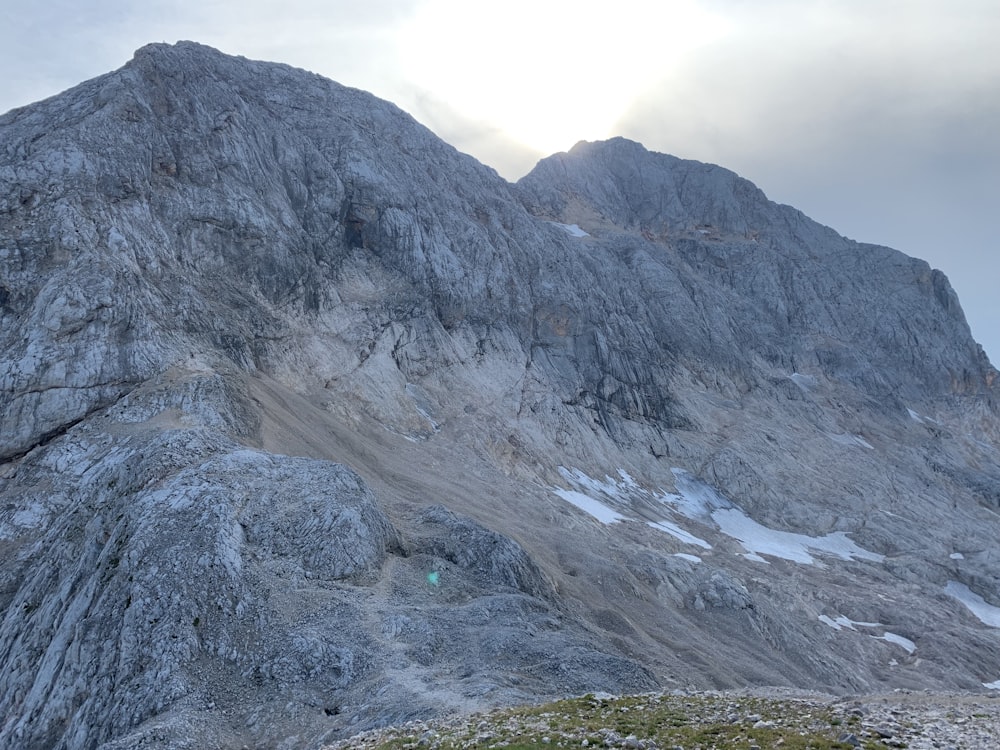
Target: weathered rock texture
x: 288, y: 385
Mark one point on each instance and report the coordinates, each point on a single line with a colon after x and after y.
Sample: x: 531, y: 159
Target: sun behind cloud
x: 548, y: 73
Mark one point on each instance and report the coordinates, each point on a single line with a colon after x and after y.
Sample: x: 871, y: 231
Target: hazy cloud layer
x: 877, y: 117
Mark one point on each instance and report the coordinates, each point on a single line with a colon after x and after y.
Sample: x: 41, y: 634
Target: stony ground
x: 704, y: 721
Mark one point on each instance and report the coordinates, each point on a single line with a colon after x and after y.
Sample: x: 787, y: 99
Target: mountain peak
x: 180, y: 47
x: 636, y: 188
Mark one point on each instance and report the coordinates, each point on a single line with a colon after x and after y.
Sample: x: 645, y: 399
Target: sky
x: 879, y: 118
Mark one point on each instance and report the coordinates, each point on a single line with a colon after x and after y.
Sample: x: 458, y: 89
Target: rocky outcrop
x: 760, y: 282
x: 155, y: 565
x: 310, y: 423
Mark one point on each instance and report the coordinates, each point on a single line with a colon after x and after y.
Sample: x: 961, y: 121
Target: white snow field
x: 597, y: 509
x: 572, y: 229
x: 700, y: 502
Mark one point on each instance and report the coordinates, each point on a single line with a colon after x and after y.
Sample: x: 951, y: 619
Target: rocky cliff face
x: 309, y: 423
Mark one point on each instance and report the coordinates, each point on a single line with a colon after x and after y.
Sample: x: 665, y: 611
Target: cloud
x: 487, y: 142
x: 48, y: 47
x: 547, y: 73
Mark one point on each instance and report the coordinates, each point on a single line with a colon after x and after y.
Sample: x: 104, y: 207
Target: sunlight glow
x: 550, y: 72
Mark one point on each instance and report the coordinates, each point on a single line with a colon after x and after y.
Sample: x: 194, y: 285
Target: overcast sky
x: 880, y: 118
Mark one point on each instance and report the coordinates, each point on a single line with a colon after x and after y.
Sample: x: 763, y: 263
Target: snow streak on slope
x: 625, y: 495
x: 840, y: 622
x: 987, y: 613
x: 573, y: 229
x: 845, y: 623
x: 904, y: 643
x: 597, y: 509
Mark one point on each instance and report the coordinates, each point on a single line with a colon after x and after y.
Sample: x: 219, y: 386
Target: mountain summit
x: 310, y: 423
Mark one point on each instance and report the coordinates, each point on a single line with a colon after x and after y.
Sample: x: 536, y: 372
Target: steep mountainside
x: 310, y: 423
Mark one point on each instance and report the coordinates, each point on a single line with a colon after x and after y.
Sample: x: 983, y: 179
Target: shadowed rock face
x: 309, y: 423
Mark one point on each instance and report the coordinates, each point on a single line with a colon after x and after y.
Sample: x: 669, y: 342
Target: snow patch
x: 922, y: 419
x: 840, y: 622
x: 759, y: 539
x: 628, y: 480
x: 992, y: 685
x: 421, y: 403
x: 805, y: 382
x: 985, y: 612
x: 608, y: 487
x: 700, y: 502
x: 689, y: 558
x: 678, y: 533
x: 697, y: 500
x: 572, y: 229
x: 597, y: 509
x: 845, y: 623
x: 621, y: 492
x: 850, y: 440
x: 956, y: 556
x: 905, y: 643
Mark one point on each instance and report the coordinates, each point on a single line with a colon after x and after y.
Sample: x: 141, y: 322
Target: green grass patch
x: 692, y: 722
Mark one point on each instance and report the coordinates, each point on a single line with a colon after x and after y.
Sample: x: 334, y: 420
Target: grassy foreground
x: 645, y: 722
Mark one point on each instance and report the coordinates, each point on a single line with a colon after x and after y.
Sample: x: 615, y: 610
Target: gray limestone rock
x: 310, y: 423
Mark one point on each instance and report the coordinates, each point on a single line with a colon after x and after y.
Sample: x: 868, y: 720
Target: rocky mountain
x: 310, y: 423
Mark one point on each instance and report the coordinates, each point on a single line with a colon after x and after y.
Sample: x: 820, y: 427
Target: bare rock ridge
x: 310, y: 423
x: 783, y: 287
